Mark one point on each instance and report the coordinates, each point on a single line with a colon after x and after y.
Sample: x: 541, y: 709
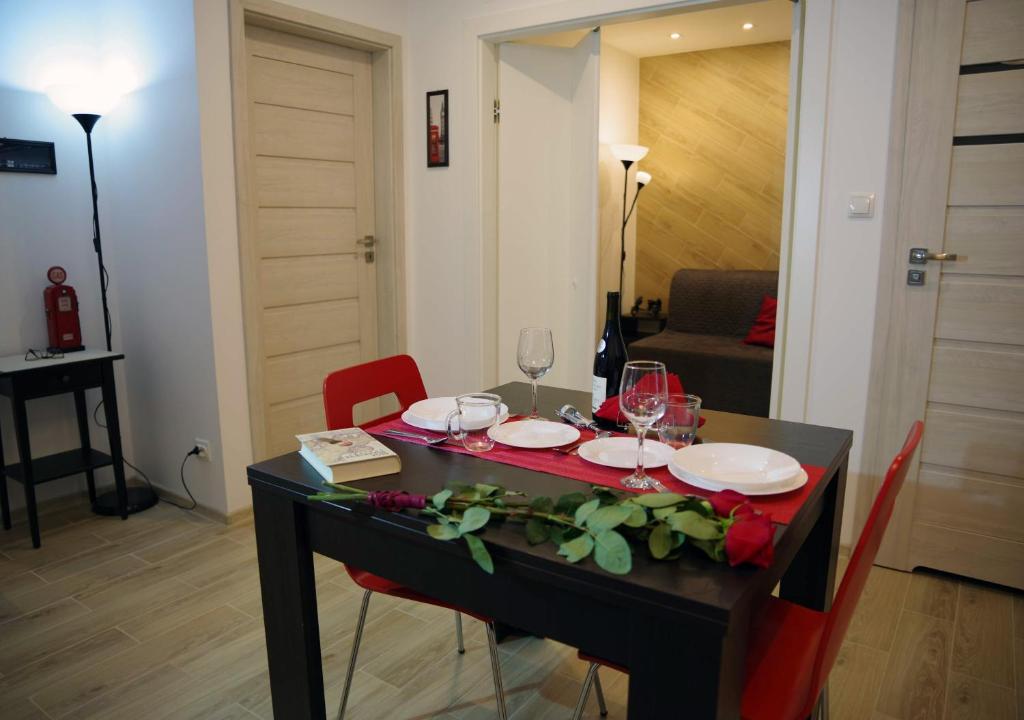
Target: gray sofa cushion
x: 710, y: 312
x: 718, y: 302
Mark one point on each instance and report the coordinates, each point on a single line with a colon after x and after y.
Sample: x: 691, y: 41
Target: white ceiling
x: 703, y: 29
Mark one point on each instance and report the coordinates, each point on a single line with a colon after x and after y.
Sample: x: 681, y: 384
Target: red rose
x: 749, y: 540
x: 725, y: 502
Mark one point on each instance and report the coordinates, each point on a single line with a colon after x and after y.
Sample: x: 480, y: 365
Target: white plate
x: 534, y: 434
x: 796, y: 482
x: 741, y: 467
x: 430, y: 414
x: 620, y: 452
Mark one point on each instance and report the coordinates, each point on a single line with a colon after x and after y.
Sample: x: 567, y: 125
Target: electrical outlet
x: 204, y: 449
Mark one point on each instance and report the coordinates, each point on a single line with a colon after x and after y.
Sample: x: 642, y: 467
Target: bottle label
x: 600, y: 392
x: 600, y: 346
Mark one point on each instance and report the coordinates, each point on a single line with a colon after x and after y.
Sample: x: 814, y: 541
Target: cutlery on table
x: 416, y: 436
x: 574, y: 417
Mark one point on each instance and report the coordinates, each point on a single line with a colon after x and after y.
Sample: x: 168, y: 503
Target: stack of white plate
x: 430, y: 414
x: 747, y: 469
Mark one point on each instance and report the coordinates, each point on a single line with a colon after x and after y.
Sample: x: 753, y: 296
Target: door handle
x: 919, y: 256
x: 368, y: 242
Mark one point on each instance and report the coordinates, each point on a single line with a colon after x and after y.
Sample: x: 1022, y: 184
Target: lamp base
x: 140, y: 498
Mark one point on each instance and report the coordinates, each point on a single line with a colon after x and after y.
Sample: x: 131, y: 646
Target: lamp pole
x: 88, y: 122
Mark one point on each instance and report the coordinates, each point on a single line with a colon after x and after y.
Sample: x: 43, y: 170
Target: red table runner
x: 781, y: 507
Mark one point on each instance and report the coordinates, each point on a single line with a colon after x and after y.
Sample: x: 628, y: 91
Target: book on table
x: 341, y: 456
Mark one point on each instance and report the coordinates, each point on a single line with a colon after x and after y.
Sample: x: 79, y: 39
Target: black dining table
x: 680, y: 626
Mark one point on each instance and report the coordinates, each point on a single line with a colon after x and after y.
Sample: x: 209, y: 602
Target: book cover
x: 348, y: 454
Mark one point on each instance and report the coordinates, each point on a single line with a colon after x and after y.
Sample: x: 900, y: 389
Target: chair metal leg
x: 499, y: 691
x: 588, y: 680
x: 458, y: 633
x: 600, y: 693
x: 355, y: 651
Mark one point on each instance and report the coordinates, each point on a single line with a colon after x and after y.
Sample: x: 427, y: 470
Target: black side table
x: 23, y: 380
x: 635, y: 327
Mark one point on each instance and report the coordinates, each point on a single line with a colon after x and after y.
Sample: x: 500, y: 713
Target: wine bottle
x: 610, y: 357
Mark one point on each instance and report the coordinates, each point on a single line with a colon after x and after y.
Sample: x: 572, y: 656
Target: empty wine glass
x: 642, y: 397
x: 535, y: 355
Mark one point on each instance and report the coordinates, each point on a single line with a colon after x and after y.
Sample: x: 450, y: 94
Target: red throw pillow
x: 763, y: 330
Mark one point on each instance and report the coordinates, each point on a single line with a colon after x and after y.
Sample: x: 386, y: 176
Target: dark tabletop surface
x: 693, y: 583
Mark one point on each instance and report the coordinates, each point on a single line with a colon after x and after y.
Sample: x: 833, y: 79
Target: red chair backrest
x: 344, y: 389
x: 860, y: 565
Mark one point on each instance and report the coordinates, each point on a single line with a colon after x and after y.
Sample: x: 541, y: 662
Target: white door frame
x: 805, y: 155
x: 389, y: 203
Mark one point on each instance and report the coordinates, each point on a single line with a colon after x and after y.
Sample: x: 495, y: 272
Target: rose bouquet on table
x: 601, y: 524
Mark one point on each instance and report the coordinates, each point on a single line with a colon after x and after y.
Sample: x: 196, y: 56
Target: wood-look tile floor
x: 159, y: 617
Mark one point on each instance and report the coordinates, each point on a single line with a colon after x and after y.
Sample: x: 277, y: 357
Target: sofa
x: 709, y: 314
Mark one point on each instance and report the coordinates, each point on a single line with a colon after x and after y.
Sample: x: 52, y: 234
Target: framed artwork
x: 437, y: 128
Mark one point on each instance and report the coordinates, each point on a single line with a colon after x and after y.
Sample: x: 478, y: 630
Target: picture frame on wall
x: 437, y: 128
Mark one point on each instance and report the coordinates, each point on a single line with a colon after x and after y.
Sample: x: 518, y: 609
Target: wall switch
x: 862, y: 205
x: 204, y: 449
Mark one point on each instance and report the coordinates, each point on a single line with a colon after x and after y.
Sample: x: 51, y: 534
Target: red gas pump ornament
x: 62, y: 321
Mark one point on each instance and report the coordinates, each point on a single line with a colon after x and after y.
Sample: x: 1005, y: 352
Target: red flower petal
x: 725, y: 501
x: 749, y: 540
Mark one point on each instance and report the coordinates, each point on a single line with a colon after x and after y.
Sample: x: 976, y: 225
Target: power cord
x: 181, y: 471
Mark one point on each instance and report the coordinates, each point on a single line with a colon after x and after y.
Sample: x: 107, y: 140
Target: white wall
x: 619, y: 123
x: 861, y: 76
x: 47, y: 220
x: 147, y: 157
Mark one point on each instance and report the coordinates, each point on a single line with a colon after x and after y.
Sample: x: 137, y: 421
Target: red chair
x: 343, y: 390
x: 792, y: 648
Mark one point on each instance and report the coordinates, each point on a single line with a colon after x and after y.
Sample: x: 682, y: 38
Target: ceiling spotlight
x: 748, y: 26
x: 674, y: 36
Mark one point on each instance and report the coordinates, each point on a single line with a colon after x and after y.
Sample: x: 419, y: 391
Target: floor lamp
x: 87, y: 105
x: 627, y: 155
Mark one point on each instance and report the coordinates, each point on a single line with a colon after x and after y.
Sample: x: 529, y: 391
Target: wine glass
x: 535, y: 355
x: 642, y: 398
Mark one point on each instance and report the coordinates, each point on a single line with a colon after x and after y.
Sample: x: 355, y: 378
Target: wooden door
x: 310, y: 283
x: 955, y: 351
x: 548, y: 204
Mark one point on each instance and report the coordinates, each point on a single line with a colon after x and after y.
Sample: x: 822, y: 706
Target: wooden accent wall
x: 715, y: 123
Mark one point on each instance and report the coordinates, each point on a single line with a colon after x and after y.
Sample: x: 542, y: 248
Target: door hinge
x: 497, y: 110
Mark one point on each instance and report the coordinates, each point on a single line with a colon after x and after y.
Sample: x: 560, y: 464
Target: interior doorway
x: 319, y: 235
x: 707, y: 89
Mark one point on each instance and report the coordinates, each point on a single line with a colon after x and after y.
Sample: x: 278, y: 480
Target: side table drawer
x: 59, y: 379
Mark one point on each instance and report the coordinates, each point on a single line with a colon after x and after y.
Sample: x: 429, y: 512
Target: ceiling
x: 698, y: 30
x: 703, y: 29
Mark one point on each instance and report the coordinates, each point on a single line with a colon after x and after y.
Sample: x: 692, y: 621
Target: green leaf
x: 567, y: 504
x: 714, y: 549
x: 542, y: 504
x: 442, y: 532
x: 612, y: 553
x: 637, y: 516
x: 486, y: 490
x: 662, y: 513
x: 677, y: 540
x: 478, y: 551
x: 441, y: 498
x: 695, y: 525
x: 608, y: 517
x: 660, y: 541
x: 576, y: 550
x: 537, y: 531
x: 659, y: 500
x: 557, y: 534
x: 584, y: 510
x: 473, y: 519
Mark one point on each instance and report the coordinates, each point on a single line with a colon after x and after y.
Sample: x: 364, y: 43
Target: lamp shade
x: 90, y: 98
x: 642, y: 178
x: 628, y: 153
